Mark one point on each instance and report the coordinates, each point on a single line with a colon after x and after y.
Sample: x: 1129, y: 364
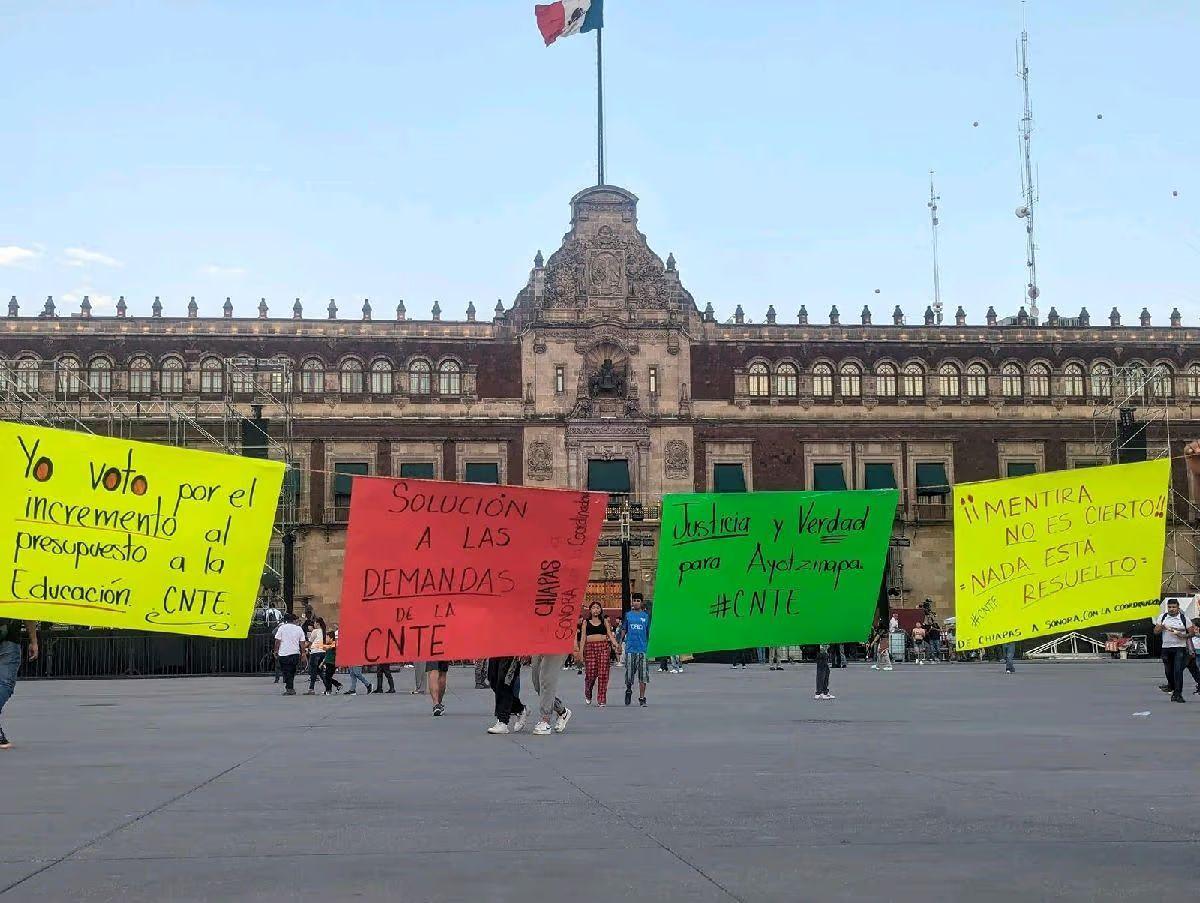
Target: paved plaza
x: 937, y: 783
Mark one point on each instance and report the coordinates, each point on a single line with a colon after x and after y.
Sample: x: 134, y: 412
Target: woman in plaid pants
x: 596, y: 641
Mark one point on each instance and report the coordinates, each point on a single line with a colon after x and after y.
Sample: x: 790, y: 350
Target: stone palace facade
x: 605, y: 373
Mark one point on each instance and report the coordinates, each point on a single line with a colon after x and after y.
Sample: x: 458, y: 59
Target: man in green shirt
x: 10, y: 661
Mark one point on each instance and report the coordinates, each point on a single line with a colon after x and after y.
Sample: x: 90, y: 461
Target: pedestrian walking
x: 420, y: 678
x: 823, y: 670
x: 1172, y: 626
x: 329, y: 665
x: 676, y: 664
x: 544, y: 670
x: 381, y: 672
x: 635, y: 632
x: 290, y: 643
x: 773, y: 659
x: 934, y: 639
x: 1193, y: 652
x: 10, y: 662
x: 356, y: 678
x: 1010, y: 653
x: 503, y: 674
x: 316, y: 654
x: 883, y: 652
x: 596, y: 643
x: 436, y: 674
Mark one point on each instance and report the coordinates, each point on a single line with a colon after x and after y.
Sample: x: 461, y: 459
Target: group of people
x: 1180, y: 647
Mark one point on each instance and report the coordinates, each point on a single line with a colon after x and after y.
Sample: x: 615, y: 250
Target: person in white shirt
x: 1173, y: 628
x: 290, y: 645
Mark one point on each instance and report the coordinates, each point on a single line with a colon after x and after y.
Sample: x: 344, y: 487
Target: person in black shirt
x: 10, y: 662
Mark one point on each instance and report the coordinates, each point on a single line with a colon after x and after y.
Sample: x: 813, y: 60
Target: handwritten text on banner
x: 113, y: 533
x: 439, y: 571
x: 737, y: 570
x: 1060, y: 551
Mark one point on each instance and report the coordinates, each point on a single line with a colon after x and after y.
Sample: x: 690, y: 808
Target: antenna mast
x: 1028, y: 188
x: 933, y: 224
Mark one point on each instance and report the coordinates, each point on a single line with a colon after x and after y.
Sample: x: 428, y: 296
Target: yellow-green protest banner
x: 114, y: 533
x: 1060, y: 551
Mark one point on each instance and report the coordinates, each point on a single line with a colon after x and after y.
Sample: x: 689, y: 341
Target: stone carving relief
x: 604, y: 270
x: 676, y: 460
x: 540, y: 462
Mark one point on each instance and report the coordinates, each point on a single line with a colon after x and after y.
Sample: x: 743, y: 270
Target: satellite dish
x: 1099, y: 115
x: 877, y: 291
x: 1034, y: 293
x: 1022, y: 212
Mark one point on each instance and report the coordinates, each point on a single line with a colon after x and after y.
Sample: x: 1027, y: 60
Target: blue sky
x: 426, y: 150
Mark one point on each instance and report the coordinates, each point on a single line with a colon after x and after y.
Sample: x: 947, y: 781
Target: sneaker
x: 874, y: 667
x: 818, y: 696
x: 586, y: 701
x: 676, y: 670
x: 352, y: 692
x: 888, y: 668
x: 1166, y: 688
x: 628, y: 696
x: 830, y: 696
x: 291, y: 692
x: 560, y: 723
x: 1176, y: 697
x: 438, y: 710
x: 391, y: 690
x: 4, y: 742
x: 498, y: 728
x: 518, y: 724
x: 600, y: 705
x: 642, y: 701
x: 542, y: 729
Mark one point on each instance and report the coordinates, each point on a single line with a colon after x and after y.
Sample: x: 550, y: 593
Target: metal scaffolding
x: 252, y: 392
x: 1136, y: 412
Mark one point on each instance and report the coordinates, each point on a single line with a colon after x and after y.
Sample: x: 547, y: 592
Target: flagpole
x: 599, y: 106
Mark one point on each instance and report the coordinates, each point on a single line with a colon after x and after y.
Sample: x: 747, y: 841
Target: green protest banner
x: 737, y: 570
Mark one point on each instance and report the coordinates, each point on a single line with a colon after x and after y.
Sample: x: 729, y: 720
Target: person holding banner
x: 1173, y: 628
x: 10, y: 661
x: 503, y: 674
x: 596, y: 642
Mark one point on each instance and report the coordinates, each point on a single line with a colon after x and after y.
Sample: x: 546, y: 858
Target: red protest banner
x: 438, y: 571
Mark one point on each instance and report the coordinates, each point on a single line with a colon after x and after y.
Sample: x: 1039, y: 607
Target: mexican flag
x: 568, y: 17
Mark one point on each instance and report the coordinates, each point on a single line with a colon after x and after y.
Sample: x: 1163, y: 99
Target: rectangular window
x: 828, y: 477
x: 932, y: 481
x: 729, y: 478
x: 478, y: 472
x: 560, y: 379
x: 879, y: 475
x: 608, y: 476
x: 139, y: 381
x: 343, y: 483
x: 416, y: 470
x: 653, y: 380
x: 1021, y: 468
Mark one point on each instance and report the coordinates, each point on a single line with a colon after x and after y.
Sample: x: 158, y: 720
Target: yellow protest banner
x: 1055, y: 552
x: 114, y: 533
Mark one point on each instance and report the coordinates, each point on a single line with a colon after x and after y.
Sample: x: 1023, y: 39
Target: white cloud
x: 12, y: 255
x: 68, y: 302
x: 78, y: 257
x: 214, y: 269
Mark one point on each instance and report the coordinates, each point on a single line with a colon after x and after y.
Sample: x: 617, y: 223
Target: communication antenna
x: 933, y: 224
x: 1028, y: 187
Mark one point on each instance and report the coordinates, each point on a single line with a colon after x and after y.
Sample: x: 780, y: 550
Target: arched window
x: 914, y: 380
x: 312, y: 377
x: 419, y: 377
x: 449, y: 378
x: 1134, y: 381
x: 822, y: 376
x: 27, y: 375
x: 1039, y: 381
x: 760, y: 380
x: 949, y: 381
x: 66, y: 373
x: 1011, y: 382
x: 850, y: 377
x: 350, y: 377
x: 1192, y: 381
x: 100, y: 375
x: 787, y: 382
x: 885, y: 380
x: 139, y: 376
x: 212, y: 377
x: 1102, y: 381
x: 1073, y: 381
x: 170, y: 377
x: 1162, y: 382
x: 241, y: 377
x: 381, y: 378
x: 977, y: 379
